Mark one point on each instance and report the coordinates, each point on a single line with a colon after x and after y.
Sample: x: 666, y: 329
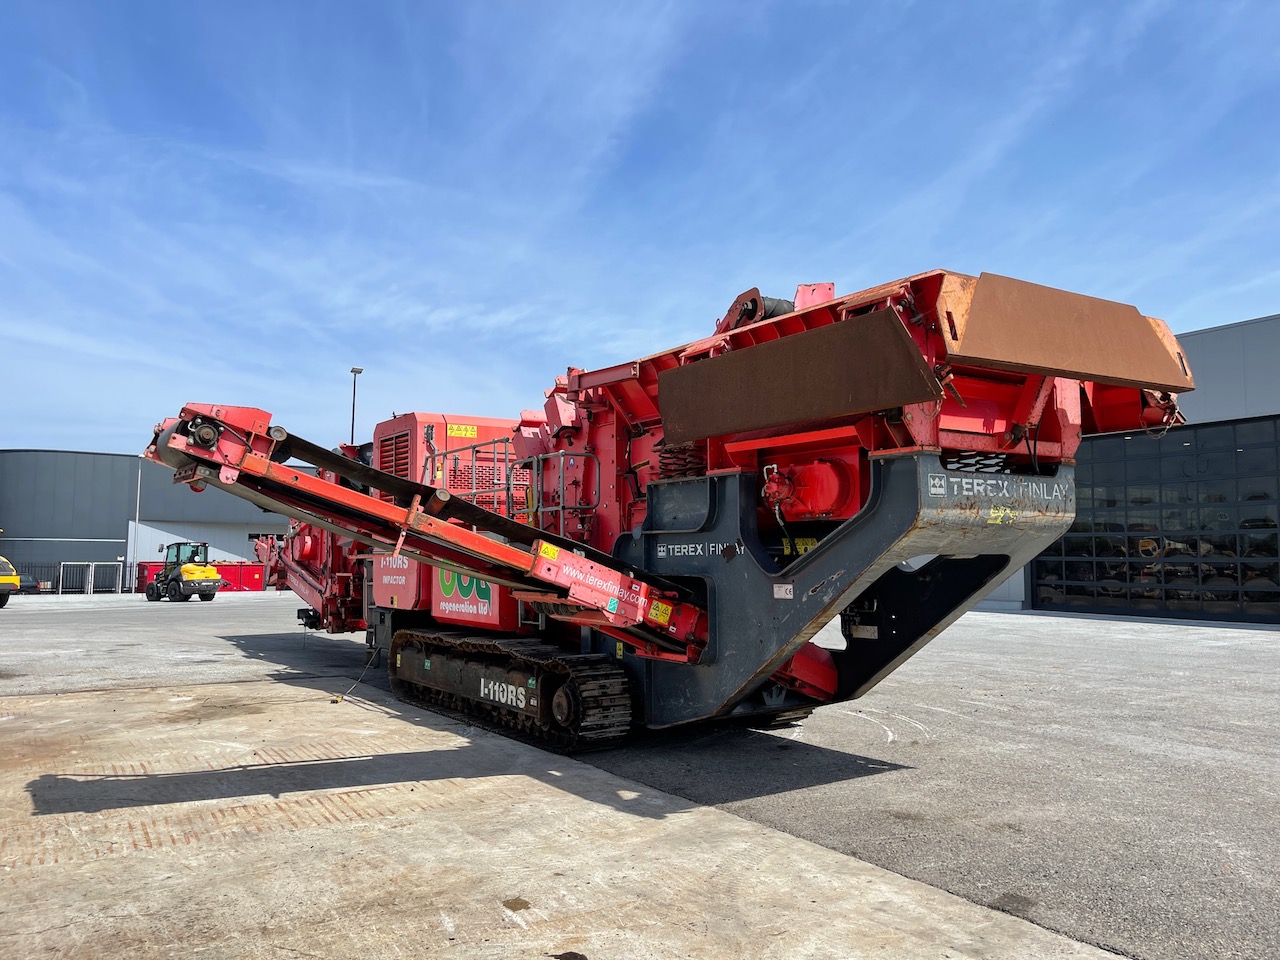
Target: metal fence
x: 80, y: 576
x: 87, y: 577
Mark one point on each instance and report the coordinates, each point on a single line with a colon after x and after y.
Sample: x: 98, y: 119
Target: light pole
x: 355, y: 372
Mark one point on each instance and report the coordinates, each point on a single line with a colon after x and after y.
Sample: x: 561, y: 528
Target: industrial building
x: 1182, y: 525
x: 62, y: 510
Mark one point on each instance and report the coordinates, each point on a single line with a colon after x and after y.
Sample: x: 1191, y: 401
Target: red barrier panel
x: 241, y: 575
x: 146, y: 573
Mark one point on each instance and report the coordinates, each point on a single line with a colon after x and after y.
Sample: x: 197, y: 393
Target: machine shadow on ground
x: 79, y: 793
x: 715, y: 768
x: 719, y: 763
x: 706, y: 763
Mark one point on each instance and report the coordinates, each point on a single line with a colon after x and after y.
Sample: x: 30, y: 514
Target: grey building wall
x: 1235, y: 369
x: 58, y: 505
x: 227, y: 541
x: 1009, y: 596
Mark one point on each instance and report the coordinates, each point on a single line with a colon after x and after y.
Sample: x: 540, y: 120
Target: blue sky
x: 237, y: 201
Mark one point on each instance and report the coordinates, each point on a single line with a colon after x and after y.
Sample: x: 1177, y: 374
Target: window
x: 1185, y: 525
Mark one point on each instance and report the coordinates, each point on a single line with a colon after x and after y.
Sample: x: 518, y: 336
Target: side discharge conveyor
x: 661, y: 542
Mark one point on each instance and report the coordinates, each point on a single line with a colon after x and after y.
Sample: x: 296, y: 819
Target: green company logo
x: 464, y: 587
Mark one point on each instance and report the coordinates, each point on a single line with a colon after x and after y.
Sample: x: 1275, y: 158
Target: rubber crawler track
x: 599, y: 684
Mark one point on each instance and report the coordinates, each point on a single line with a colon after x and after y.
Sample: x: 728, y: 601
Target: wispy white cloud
x: 465, y: 200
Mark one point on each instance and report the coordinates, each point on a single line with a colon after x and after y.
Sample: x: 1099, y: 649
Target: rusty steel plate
x: 855, y: 366
x: 1008, y: 324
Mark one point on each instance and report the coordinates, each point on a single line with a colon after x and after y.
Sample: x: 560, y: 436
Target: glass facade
x: 1183, y: 525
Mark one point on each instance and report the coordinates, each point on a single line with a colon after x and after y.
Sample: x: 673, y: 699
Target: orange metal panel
x: 810, y: 379
x: 1007, y: 324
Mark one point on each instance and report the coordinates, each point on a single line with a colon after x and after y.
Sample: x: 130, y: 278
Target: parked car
x: 27, y: 584
x: 8, y: 580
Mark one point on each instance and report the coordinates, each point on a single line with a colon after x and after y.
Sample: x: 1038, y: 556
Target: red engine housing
x: 472, y: 458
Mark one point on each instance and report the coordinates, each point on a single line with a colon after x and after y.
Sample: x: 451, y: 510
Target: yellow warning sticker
x: 549, y: 551
x: 1002, y: 514
x: 468, y: 431
x: 803, y: 545
x: 660, y: 612
x: 618, y: 650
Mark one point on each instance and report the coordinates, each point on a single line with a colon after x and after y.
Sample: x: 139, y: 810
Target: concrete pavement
x: 1115, y: 780
x: 164, y: 811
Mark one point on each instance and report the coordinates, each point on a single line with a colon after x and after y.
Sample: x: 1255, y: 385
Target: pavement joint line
x: 195, y: 683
